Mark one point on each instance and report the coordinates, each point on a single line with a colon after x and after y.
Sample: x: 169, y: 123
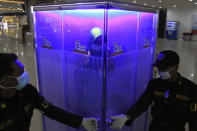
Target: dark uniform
x: 174, y: 104
x: 16, y: 113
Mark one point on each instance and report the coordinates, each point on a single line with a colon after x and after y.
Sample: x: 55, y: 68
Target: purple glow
x: 84, y: 13
x: 48, y: 25
x: 118, y: 13
x: 75, y: 81
x: 146, y: 30
x: 78, y: 23
x: 122, y: 25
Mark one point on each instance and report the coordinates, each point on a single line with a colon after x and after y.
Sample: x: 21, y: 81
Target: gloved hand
x: 90, y: 124
x: 118, y: 121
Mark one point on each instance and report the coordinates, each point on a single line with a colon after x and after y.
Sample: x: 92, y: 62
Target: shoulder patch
x: 6, y: 124
x: 45, y: 104
x: 159, y: 93
x: 3, y: 106
x: 193, y: 107
x: 182, y: 97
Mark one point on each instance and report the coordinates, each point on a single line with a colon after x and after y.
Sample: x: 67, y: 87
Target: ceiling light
x: 190, y: 0
x: 174, y: 6
x: 195, y: 3
x: 145, y: 4
x: 153, y: 6
x: 160, y: 1
x: 9, y: 9
x: 160, y: 7
x: 9, y: 1
x: 134, y: 1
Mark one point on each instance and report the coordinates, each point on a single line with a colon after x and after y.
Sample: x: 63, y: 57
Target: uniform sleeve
x: 54, y: 112
x: 193, y: 111
x: 141, y: 105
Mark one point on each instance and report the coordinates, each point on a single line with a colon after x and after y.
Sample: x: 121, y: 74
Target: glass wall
x: 122, y: 60
x: 145, y: 57
x: 48, y: 27
x: 83, y: 33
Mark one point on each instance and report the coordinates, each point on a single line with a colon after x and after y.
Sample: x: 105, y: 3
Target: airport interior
x: 94, y: 58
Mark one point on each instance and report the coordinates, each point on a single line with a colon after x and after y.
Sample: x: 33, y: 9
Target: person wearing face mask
x: 18, y: 99
x: 173, y: 99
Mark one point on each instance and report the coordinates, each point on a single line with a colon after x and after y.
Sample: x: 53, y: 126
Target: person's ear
x: 176, y: 68
x: 2, y: 79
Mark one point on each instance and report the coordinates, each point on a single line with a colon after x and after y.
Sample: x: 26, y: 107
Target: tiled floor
x: 186, y: 49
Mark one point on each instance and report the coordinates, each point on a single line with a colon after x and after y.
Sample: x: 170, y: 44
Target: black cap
x: 167, y: 58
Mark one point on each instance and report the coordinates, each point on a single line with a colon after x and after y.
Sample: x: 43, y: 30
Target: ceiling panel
x: 10, y: 6
x: 14, y: 7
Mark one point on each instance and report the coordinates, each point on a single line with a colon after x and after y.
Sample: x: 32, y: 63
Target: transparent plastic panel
x: 49, y: 61
x: 69, y: 49
x: 83, y: 33
x: 146, y: 49
x: 122, y: 59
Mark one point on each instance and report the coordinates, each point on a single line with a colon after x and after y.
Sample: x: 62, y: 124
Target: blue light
x: 75, y: 80
x: 84, y: 13
x: 118, y: 13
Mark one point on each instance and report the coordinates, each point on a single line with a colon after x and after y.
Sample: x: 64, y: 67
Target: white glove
x: 118, y: 121
x: 90, y: 124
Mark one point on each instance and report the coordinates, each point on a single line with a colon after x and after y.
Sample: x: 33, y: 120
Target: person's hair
x: 6, y: 60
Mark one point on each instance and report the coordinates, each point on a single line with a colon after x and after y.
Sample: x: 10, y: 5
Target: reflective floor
x: 9, y: 43
x: 25, y: 53
x: 12, y: 44
x: 11, y: 32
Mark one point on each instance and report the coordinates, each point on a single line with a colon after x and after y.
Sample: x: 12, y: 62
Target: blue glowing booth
x: 94, y: 58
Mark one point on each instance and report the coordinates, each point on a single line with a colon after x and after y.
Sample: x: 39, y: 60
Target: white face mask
x: 164, y: 75
x: 22, y: 82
